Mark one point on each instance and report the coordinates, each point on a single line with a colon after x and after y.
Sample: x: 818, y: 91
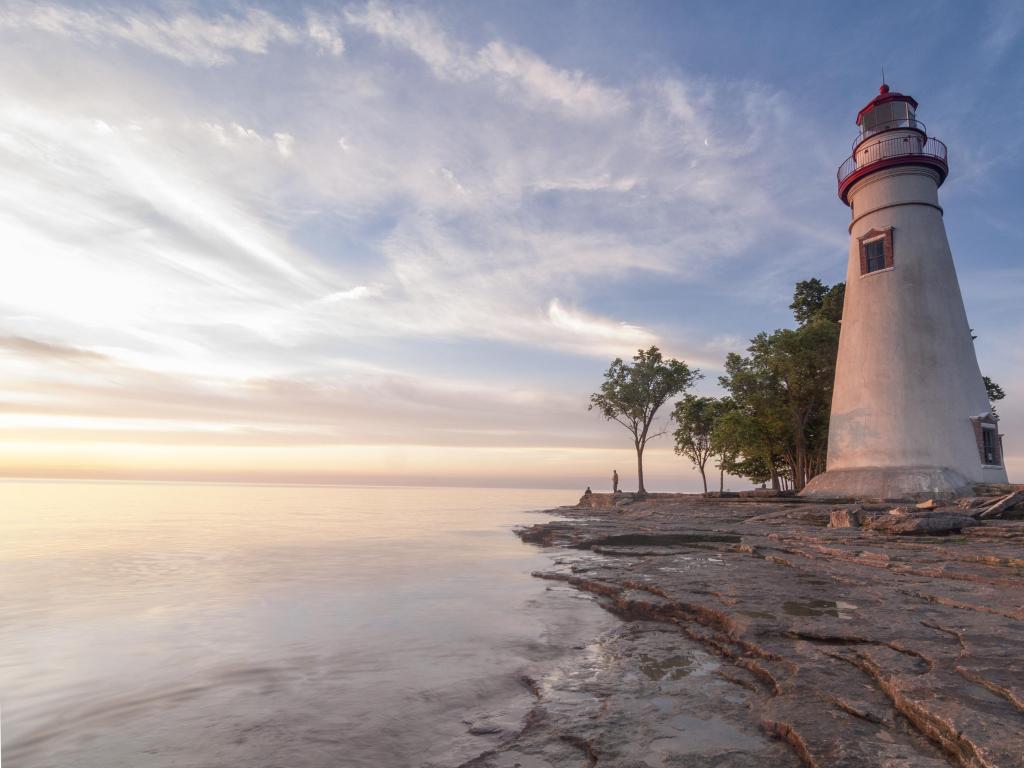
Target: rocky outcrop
x: 929, y: 518
x: 754, y: 635
x: 846, y: 517
x: 604, y: 500
x: 906, y: 523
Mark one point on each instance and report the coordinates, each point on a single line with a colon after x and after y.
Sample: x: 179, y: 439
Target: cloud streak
x: 508, y: 66
x: 190, y: 38
x: 35, y: 349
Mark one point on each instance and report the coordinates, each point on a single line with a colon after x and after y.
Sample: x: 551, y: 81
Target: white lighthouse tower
x: 910, y: 412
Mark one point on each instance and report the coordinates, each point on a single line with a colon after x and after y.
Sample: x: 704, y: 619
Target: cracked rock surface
x: 754, y: 635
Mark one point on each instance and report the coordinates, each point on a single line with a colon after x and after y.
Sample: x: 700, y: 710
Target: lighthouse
x: 910, y: 411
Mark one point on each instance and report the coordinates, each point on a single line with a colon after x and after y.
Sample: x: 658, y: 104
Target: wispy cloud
x: 34, y: 348
x: 510, y: 66
x: 324, y: 31
x: 102, y: 397
x: 503, y: 217
x: 187, y: 37
x: 184, y: 219
x: 1004, y: 22
x: 597, y: 331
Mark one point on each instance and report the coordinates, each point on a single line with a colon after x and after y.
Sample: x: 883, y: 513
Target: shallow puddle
x: 835, y: 608
x: 695, y: 735
x: 678, y: 666
x: 660, y: 540
x: 516, y: 759
x: 810, y: 608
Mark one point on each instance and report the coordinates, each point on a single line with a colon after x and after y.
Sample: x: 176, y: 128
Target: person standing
x: 615, y: 481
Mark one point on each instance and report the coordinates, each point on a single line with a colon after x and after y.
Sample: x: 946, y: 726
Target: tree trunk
x: 818, y: 464
x: 721, y: 480
x: 800, y: 473
x: 640, y: 471
x: 775, y: 477
x: 704, y: 479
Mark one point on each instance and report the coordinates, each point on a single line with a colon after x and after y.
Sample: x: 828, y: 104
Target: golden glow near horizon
x: 555, y: 467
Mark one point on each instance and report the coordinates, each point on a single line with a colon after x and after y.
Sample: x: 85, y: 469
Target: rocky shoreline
x: 755, y: 635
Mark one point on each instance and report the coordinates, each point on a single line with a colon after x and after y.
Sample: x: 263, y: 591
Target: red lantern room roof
x: 884, y: 96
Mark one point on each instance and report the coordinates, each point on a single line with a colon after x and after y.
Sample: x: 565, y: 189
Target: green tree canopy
x: 995, y: 392
x: 696, y: 418
x: 633, y: 392
x: 782, y: 391
x: 726, y: 445
x: 755, y: 429
x: 813, y: 300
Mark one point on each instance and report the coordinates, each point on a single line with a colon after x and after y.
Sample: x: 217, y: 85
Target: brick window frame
x: 873, y: 235
x: 988, y: 423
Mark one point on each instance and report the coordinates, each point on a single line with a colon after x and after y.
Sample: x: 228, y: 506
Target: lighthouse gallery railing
x: 888, y: 150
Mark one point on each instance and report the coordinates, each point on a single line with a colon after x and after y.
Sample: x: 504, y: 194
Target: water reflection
x: 809, y: 608
x: 157, y: 625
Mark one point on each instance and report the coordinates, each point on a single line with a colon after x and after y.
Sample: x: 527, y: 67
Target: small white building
x: 910, y: 412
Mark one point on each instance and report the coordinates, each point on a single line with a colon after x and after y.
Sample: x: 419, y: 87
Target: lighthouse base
x: 883, y: 483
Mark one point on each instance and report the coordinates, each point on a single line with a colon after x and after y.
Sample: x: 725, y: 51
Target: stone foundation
x: 888, y: 483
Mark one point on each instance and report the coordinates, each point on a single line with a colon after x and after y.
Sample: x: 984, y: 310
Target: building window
x: 876, y: 250
x: 989, y: 443
x: 874, y: 255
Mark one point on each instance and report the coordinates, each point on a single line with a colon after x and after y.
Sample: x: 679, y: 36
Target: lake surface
x: 223, y: 625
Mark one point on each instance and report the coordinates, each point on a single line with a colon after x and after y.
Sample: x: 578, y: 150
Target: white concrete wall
x: 907, y: 378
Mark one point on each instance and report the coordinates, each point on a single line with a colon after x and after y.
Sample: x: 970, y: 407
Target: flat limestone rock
x: 754, y: 638
x: 921, y: 523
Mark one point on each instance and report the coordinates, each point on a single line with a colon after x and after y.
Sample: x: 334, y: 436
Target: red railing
x: 891, y: 152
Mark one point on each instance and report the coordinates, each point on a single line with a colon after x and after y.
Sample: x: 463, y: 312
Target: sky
x: 400, y: 243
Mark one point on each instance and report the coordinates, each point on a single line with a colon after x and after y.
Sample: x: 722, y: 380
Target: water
x: 200, y: 625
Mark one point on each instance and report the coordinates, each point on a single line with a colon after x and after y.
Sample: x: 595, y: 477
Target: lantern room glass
x: 891, y: 114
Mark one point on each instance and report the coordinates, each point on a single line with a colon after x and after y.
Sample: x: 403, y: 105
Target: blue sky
x: 390, y: 242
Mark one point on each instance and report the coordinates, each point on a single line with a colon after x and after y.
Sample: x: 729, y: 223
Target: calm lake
x: 230, y: 625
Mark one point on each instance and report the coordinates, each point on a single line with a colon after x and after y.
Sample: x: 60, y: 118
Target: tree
x: 724, y: 443
x: 995, y: 392
x: 813, y: 300
x: 803, y: 362
x: 755, y: 429
x: 696, y: 417
x: 782, y: 391
x: 632, y: 394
